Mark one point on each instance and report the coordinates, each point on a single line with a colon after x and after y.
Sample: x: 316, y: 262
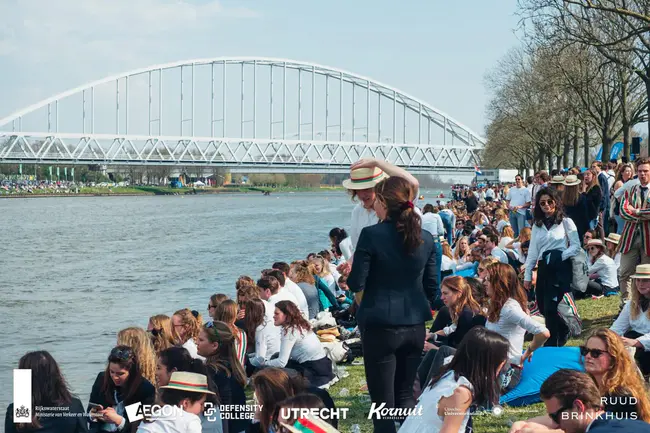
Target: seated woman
x: 448, y: 263
x: 300, y: 348
x: 178, y: 359
x: 227, y: 313
x: 217, y: 344
x: 469, y: 379
x: 49, y: 388
x: 186, y: 325
x: 262, y: 331
x: 160, y: 332
x: 300, y: 274
x: 120, y: 385
x: 602, y: 272
x: 462, y: 311
x: 622, y: 388
x: 633, y: 324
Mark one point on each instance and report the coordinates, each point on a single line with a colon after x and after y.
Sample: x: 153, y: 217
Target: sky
x: 438, y: 51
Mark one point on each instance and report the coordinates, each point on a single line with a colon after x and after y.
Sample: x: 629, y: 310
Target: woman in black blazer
x: 395, y: 266
x: 120, y: 385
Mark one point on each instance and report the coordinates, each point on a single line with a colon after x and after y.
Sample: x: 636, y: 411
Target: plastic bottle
x: 356, y: 428
x: 344, y: 392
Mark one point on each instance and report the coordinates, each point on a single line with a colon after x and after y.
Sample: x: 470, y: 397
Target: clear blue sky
x: 435, y: 50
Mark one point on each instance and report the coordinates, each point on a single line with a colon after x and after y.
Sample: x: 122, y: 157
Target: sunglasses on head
x: 122, y: 354
x: 595, y: 353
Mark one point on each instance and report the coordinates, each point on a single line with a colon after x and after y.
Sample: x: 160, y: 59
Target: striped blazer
x: 632, y: 199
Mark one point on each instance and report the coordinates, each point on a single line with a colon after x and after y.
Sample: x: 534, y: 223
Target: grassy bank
x: 595, y: 314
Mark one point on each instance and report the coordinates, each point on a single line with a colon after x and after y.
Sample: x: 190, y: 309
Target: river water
x: 75, y: 271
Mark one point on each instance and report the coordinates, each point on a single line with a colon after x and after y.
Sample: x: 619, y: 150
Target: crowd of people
x: 490, y: 267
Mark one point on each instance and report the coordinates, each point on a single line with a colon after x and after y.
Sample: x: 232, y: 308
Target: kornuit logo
x: 22, y: 412
x: 138, y: 411
x: 382, y: 412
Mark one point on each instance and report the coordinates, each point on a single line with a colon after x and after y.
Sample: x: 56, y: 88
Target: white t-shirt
x: 346, y: 248
x: 519, y: 197
x: 361, y: 218
x: 299, y: 346
x: 606, y: 269
x: 499, y: 254
x: 267, y: 341
x: 190, y: 345
x: 297, y: 293
x: 432, y: 223
x: 184, y: 422
x: 447, y: 264
x: 489, y: 193
x: 282, y: 295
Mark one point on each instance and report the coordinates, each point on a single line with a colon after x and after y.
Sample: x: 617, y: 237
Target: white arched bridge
x: 247, y: 114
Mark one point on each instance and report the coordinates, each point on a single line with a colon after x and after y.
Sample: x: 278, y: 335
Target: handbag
x: 579, y: 268
x: 568, y: 311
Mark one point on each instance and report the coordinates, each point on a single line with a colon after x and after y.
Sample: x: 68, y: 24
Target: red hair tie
x: 407, y: 205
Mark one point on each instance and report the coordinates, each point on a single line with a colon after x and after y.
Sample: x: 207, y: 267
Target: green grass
x: 595, y: 314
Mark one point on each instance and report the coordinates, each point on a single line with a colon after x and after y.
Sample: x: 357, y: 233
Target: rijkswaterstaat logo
x: 22, y: 412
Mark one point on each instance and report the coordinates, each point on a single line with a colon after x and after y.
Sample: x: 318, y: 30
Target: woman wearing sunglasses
x: 160, y: 332
x: 553, y: 242
x: 120, y: 385
x: 602, y: 271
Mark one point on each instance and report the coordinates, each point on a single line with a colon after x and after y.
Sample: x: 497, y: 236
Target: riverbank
x: 157, y: 190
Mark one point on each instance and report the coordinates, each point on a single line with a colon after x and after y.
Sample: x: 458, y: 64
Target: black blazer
x: 614, y: 425
x: 396, y: 286
x: 76, y: 422
x: 145, y: 394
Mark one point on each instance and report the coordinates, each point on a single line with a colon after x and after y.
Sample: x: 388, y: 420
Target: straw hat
x: 364, y: 178
x: 186, y: 381
x: 642, y: 272
x: 311, y: 425
x: 571, y: 180
x: 596, y: 243
x: 557, y: 179
x: 613, y: 238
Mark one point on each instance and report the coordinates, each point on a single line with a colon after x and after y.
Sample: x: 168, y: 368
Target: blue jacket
x: 618, y: 425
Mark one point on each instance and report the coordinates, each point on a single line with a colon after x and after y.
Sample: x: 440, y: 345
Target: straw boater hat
x: 310, y: 425
x: 364, y: 178
x: 596, y: 243
x: 613, y: 238
x: 642, y: 272
x: 557, y: 179
x: 191, y: 382
x: 571, y: 180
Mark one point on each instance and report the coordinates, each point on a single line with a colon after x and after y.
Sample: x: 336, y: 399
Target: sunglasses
x: 155, y: 332
x: 122, y: 354
x: 595, y: 353
x: 546, y: 202
x: 211, y: 306
x: 555, y: 416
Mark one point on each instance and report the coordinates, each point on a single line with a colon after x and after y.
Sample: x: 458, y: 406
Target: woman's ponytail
x: 397, y: 195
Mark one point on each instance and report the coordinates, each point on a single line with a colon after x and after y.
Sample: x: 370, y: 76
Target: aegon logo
x: 138, y: 411
x: 382, y: 412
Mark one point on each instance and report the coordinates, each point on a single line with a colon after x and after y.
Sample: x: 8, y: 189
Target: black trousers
x: 391, y: 355
x: 641, y: 357
x: 553, y: 281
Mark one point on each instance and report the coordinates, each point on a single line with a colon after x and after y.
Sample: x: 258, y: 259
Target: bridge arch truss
x: 244, y: 113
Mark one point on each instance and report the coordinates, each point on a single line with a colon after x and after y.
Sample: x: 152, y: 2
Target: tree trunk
x: 565, y: 156
x: 627, y: 139
x: 646, y: 81
x: 625, y: 119
x: 585, y: 141
x: 549, y: 155
x: 576, y: 131
x: 607, y: 146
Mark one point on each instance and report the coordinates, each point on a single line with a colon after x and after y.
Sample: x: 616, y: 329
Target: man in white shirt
x: 489, y: 195
x: 492, y: 249
x: 519, y: 198
x: 364, y: 175
x: 295, y: 291
x: 432, y: 222
x: 270, y: 291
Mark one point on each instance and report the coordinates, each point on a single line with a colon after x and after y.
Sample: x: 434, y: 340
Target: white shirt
x: 282, y: 295
x: 611, y: 178
x: 361, y: 217
x: 499, y: 254
x: 504, y: 241
x: 190, y: 345
x: 447, y: 263
x: 489, y: 193
x: 184, y: 422
x: 543, y: 240
x: 519, y: 197
x: 606, y: 270
x: 513, y: 324
x: 299, y: 346
x: 501, y: 225
x: 432, y: 223
x: 297, y: 293
x: 267, y: 342
x: 641, y: 325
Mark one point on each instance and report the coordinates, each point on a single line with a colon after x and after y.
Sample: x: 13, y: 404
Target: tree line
x: 579, y: 79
